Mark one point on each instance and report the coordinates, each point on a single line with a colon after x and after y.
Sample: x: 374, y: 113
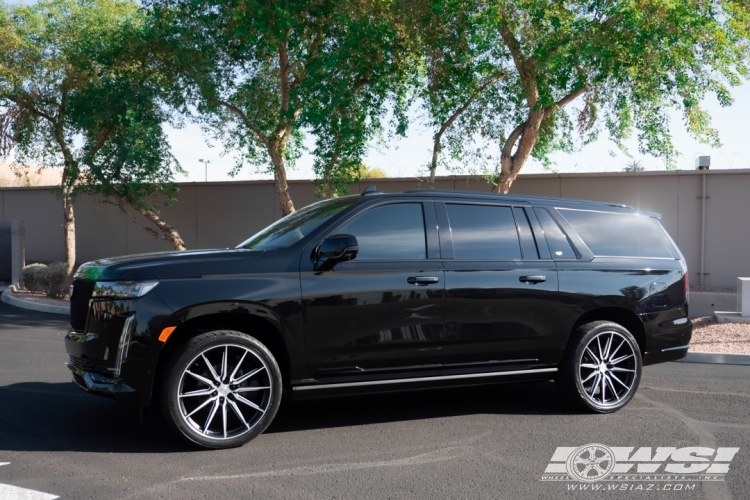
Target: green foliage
x: 260, y: 74
x: 624, y: 63
x: 79, y: 92
x: 52, y: 280
x: 28, y: 277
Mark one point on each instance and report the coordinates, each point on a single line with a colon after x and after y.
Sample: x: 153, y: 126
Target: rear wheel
x: 601, y: 368
x: 221, y: 389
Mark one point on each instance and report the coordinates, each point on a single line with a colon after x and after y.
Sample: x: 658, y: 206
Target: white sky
x: 407, y: 157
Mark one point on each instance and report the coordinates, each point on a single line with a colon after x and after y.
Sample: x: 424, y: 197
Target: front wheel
x: 221, y: 389
x: 601, y: 368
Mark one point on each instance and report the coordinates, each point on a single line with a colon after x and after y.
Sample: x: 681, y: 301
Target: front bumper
x: 103, y: 385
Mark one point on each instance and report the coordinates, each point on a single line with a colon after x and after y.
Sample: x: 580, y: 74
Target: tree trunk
x: 525, y: 136
x: 168, y: 233
x: 433, y: 165
x: 279, y: 173
x: 69, y: 227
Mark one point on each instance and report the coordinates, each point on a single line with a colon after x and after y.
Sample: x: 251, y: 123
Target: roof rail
x: 370, y: 190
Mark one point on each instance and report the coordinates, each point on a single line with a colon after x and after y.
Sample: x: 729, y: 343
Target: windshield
x: 292, y: 228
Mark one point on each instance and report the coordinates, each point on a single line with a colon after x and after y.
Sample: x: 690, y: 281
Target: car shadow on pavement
x: 517, y: 398
x: 36, y: 416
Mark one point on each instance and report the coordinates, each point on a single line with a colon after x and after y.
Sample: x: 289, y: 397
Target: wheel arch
x: 259, y: 327
x: 616, y: 314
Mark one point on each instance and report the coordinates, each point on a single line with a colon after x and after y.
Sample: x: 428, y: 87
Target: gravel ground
x: 40, y: 298
x: 710, y: 336
x: 713, y: 289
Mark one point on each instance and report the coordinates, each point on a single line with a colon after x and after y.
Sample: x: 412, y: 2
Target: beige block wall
x: 223, y: 214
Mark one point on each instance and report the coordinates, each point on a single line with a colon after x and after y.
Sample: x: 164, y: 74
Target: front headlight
x: 123, y: 289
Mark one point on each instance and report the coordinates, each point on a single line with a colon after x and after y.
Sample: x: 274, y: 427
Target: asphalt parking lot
x: 480, y: 442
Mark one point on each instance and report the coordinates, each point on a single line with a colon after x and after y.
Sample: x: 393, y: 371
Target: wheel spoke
x: 248, y: 389
x: 593, y: 374
x: 603, y: 386
x: 621, y: 359
x: 200, y: 407
x: 589, y: 365
x: 224, y: 363
x: 224, y: 417
x: 201, y: 392
x: 594, y: 385
x: 198, y: 377
x: 599, y: 345
x: 249, y: 403
x: 612, y: 388
x: 248, y: 375
x: 618, y: 380
x: 608, y: 346
x: 612, y: 354
x: 238, y: 413
x: 234, y: 372
x: 596, y: 360
x: 211, y: 416
x: 618, y: 369
x: 211, y: 369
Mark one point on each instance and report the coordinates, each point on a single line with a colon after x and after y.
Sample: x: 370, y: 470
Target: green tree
x: 626, y: 62
x: 74, y: 95
x: 457, y: 68
x: 260, y: 73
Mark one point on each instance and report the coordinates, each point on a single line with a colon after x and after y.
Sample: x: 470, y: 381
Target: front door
x: 381, y: 313
x: 501, y: 298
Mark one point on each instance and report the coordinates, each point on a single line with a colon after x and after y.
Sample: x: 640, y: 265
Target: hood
x: 165, y: 265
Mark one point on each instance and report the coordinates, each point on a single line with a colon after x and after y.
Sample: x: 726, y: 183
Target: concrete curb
x: 720, y: 358
x: 32, y: 306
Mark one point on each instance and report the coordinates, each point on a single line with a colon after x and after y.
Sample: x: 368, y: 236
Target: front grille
x: 79, y: 303
x: 91, y: 365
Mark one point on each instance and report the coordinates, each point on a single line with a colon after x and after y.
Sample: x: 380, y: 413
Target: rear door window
x: 483, y: 232
x: 610, y: 234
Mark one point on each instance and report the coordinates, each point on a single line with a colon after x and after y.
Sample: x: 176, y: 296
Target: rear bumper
x: 668, y: 342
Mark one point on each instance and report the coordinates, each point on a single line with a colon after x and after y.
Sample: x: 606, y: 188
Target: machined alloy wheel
x: 602, y: 367
x: 223, y: 389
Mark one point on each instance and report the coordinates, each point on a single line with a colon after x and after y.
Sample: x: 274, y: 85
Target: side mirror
x: 335, y: 249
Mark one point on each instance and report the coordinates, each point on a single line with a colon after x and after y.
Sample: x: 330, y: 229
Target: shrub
x: 28, y: 277
x: 52, y: 279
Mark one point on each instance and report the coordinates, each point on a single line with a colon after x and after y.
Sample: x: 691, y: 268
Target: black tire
x: 600, y: 379
x: 242, y: 372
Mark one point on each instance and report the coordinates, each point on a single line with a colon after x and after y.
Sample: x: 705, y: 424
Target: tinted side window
x: 389, y: 232
x: 618, y: 235
x: 483, y: 232
x: 556, y: 239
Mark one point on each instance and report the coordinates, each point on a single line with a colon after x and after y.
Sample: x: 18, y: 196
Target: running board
x: 423, y: 379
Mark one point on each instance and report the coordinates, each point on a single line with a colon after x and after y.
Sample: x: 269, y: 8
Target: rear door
x: 501, y: 293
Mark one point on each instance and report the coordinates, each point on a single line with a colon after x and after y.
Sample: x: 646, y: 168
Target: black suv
x: 384, y: 292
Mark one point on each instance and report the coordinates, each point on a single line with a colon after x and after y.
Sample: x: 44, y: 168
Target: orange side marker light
x: 164, y: 335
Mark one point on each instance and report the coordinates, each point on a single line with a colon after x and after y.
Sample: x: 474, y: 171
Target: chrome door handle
x: 532, y: 279
x: 422, y: 280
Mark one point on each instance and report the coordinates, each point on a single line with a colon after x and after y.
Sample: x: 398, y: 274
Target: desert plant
x: 29, y: 275
x: 52, y: 279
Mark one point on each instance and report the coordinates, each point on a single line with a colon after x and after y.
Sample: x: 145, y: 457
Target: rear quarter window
x: 610, y: 234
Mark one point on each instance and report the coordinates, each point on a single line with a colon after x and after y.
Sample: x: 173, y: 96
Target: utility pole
x: 205, y: 163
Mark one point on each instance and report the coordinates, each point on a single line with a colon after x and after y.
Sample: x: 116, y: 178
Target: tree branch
x: 249, y: 124
x: 565, y: 101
